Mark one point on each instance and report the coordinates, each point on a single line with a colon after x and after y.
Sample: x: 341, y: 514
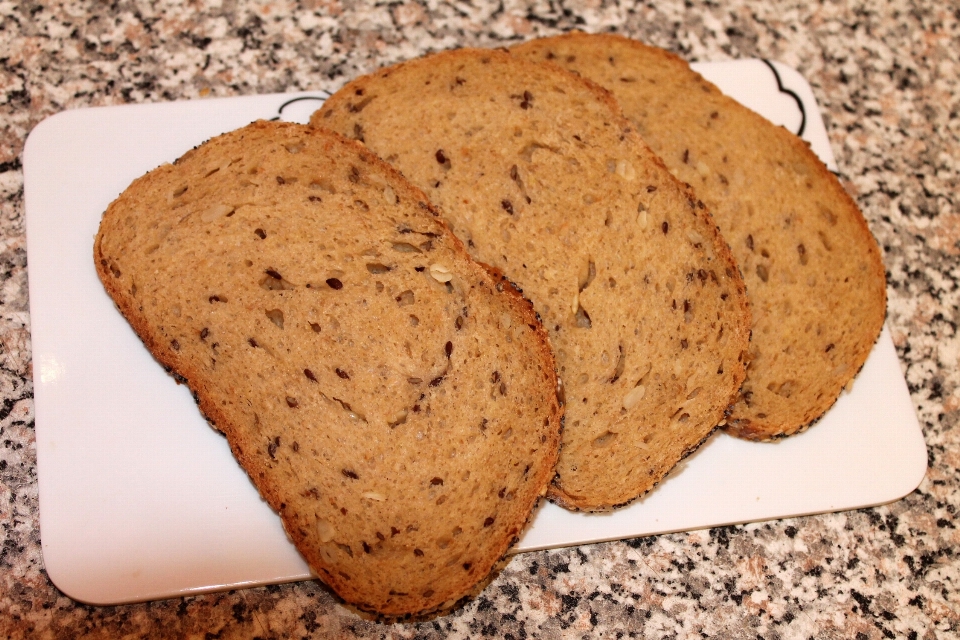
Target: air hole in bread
x: 588, y: 271
x: 324, y: 184
x: 357, y: 107
x: 515, y: 176
x: 827, y: 214
x: 621, y: 364
x: 275, y: 316
x: 582, y: 318
x: 825, y: 241
x: 405, y: 247
x: 527, y: 152
x: 606, y: 439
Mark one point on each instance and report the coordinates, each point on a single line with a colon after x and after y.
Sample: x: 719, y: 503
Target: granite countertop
x: 887, y: 83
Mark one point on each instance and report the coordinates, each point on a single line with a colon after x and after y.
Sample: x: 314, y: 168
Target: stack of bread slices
x: 471, y: 283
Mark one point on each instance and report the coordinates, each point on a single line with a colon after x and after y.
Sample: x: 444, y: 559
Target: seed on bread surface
x: 440, y: 273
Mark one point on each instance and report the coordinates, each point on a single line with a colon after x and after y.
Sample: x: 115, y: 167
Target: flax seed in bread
x: 814, y: 273
x: 394, y: 401
x: 541, y: 176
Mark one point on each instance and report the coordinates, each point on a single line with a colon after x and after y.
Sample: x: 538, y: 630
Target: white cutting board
x: 140, y: 499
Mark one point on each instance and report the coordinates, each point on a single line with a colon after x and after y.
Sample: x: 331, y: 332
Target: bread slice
x: 814, y: 272
x: 541, y: 176
x: 391, y: 399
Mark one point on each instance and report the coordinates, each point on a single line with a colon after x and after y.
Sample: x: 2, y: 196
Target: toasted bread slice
x: 542, y: 177
x: 394, y: 401
x: 814, y: 273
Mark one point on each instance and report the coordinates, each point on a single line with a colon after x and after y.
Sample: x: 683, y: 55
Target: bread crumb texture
x: 393, y: 400
x: 542, y: 177
x: 814, y: 273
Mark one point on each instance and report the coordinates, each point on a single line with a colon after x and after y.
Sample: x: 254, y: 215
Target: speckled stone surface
x: 887, y: 77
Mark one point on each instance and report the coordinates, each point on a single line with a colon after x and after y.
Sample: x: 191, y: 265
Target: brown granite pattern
x: 886, y: 76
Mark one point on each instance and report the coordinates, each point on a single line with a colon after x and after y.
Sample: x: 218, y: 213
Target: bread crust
x: 540, y: 174
x: 814, y: 273
x: 378, y: 557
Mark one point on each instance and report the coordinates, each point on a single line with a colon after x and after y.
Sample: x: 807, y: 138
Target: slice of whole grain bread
x: 393, y: 400
x: 541, y: 176
x: 814, y: 272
